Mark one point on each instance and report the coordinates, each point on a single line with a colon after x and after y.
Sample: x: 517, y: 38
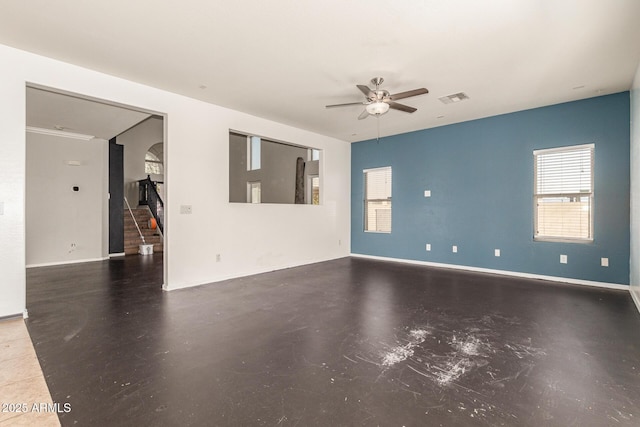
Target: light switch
x: 427, y: 193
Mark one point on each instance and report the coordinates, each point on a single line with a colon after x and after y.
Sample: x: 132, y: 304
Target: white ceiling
x: 286, y: 59
x: 48, y: 110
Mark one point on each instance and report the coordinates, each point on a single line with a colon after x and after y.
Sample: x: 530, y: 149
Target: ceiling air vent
x: 456, y: 97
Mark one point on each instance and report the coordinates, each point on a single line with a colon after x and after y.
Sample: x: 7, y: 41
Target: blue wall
x: 480, y: 174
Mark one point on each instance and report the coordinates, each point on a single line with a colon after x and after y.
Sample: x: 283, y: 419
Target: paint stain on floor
x: 447, y: 353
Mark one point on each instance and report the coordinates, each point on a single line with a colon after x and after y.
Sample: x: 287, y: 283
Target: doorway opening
x: 86, y: 159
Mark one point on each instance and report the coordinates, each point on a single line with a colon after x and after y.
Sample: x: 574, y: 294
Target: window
x: 314, y: 189
x: 277, y: 166
x: 254, y: 191
x: 153, y: 160
x: 377, y: 200
x: 253, y: 152
x: 563, y: 193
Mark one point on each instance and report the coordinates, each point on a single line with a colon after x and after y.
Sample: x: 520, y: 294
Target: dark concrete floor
x: 345, y: 342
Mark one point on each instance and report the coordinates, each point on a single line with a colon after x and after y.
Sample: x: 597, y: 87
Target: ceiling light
x: 377, y: 108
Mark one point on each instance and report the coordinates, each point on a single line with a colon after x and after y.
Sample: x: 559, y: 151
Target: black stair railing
x: 148, y: 195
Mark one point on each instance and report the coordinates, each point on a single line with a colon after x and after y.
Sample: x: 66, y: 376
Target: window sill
x: 563, y: 240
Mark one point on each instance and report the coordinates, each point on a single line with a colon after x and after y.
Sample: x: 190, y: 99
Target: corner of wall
x: 634, y: 265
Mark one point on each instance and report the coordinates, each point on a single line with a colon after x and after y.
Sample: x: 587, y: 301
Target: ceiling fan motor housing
x: 381, y: 95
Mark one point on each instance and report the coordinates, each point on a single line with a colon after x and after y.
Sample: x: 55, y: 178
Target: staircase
x: 132, y: 238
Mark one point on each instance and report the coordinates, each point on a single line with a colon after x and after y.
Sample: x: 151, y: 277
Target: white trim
x: 75, y: 261
x: 376, y: 169
x: 572, y: 281
x: 635, y: 298
x: 118, y: 254
x: 11, y: 317
x: 564, y: 148
x: 171, y: 288
x: 25, y: 314
x: 62, y: 133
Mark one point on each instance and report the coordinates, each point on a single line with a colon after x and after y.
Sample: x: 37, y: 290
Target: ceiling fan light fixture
x: 377, y: 108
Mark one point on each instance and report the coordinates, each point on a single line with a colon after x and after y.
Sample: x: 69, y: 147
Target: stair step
x: 134, y: 250
x: 132, y: 237
x: 136, y: 237
x: 144, y: 231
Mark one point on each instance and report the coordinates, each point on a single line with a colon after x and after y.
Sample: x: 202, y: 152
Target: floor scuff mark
x: 476, y: 356
x: 403, y: 352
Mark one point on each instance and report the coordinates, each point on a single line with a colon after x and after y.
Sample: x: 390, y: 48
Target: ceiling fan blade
x: 401, y: 107
x: 363, y: 115
x: 367, y: 92
x: 344, y: 105
x: 408, y: 93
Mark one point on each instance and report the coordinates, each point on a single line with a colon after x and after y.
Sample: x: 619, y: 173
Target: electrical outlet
x: 427, y: 193
x: 496, y: 252
x: 218, y: 258
x: 454, y: 249
x: 185, y: 209
x: 563, y: 259
x: 339, y: 242
x: 604, y: 262
x: 428, y: 246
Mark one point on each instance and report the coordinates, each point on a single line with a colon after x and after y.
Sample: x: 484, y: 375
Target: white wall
x: 136, y: 142
x: 635, y: 190
x: 12, y: 182
x: 56, y: 216
x: 249, y: 238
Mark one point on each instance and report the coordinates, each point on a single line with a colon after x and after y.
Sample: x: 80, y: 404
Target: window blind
x: 563, y: 192
x: 377, y: 204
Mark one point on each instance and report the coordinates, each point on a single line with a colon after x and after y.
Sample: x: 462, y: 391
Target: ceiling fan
x: 378, y: 101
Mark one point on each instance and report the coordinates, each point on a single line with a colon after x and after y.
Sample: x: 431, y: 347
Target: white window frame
x: 367, y: 200
x: 589, y: 195
x: 250, y: 186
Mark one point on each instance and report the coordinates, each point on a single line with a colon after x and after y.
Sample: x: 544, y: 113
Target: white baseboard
x: 119, y: 254
x: 11, y: 317
x: 616, y: 286
x: 237, y: 275
x: 635, y: 298
x: 75, y: 261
